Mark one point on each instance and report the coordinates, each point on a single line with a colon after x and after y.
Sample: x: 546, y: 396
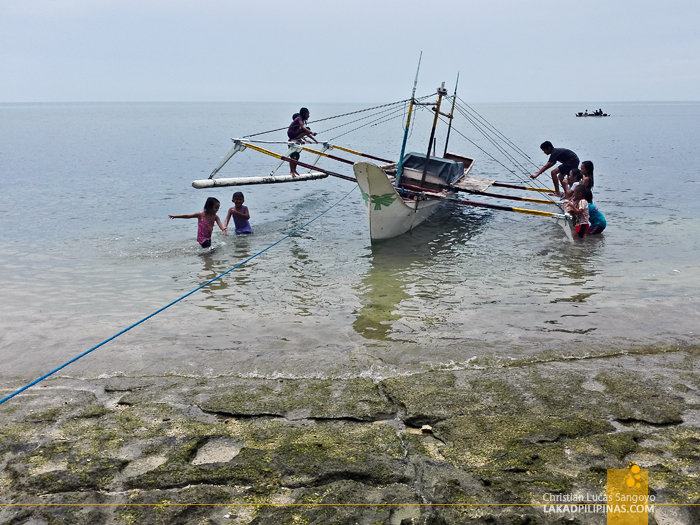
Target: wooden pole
x: 441, y: 92
x: 287, y: 159
x: 322, y: 154
x: 449, y: 128
x: 362, y: 154
x: 485, y: 194
x: 513, y: 186
x: 399, y: 168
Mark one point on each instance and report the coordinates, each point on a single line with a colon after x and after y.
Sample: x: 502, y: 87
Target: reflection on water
x: 397, y: 262
x: 381, y: 291
x: 215, y: 262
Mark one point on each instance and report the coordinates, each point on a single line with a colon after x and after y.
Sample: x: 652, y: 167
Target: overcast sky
x: 348, y: 51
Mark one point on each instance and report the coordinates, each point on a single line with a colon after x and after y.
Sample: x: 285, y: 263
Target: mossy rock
x: 346, y: 501
x: 431, y: 397
x: 81, y: 473
x: 634, y: 398
x: 357, y: 399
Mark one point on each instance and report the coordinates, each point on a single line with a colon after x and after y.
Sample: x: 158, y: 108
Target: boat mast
x: 399, y: 168
x: 441, y: 93
x: 452, y: 114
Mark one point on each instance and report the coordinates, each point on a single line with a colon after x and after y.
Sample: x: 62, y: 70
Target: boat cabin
x: 441, y: 173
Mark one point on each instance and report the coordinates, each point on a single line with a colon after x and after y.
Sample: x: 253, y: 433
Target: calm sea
x: 87, y: 247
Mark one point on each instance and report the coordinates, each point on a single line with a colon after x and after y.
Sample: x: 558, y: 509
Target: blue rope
x: 169, y: 305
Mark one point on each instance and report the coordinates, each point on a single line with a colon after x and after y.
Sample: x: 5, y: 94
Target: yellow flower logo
x: 633, y: 478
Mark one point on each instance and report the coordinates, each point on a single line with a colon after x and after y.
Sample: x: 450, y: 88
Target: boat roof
x: 448, y: 170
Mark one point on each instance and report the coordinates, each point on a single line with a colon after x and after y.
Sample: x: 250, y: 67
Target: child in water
x: 596, y: 219
x: 578, y: 207
x: 569, y: 184
x: 587, y: 174
x: 205, y: 221
x: 240, y: 214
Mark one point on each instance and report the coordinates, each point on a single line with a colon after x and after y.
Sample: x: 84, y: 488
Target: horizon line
x: 667, y: 101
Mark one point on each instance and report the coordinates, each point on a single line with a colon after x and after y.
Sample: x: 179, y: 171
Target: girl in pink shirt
x: 205, y: 221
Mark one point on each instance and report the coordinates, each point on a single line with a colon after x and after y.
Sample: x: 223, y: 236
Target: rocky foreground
x: 155, y: 449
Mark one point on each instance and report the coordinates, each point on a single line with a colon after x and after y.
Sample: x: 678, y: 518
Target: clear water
x: 87, y: 249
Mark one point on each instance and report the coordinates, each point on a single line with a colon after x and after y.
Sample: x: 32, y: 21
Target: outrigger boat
x: 594, y: 114
x: 399, y: 196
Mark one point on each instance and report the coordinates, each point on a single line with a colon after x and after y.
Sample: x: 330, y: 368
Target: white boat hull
x: 389, y: 215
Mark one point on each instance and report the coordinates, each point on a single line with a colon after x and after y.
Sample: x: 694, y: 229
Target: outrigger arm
x: 238, y: 145
x: 292, y: 148
x: 562, y: 219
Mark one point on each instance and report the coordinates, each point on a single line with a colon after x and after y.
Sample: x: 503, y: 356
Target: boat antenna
x: 452, y: 114
x: 441, y: 93
x: 399, y: 168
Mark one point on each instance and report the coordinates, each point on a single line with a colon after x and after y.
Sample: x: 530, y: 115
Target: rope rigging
x: 521, y: 179
x: 391, y: 110
x: 519, y: 160
x: 506, y: 139
x: 517, y: 164
x: 329, y: 118
x: 371, y: 123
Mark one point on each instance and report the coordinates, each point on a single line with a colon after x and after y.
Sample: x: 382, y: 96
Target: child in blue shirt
x: 595, y: 218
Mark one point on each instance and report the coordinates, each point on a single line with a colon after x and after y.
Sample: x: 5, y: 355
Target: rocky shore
x: 441, y: 447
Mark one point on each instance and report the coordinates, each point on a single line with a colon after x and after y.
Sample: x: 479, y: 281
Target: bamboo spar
x: 438, y: 196
x: 486, y: 194
x: 441, y: 92
x: 309, y: 166
x: 399, y: 168
x: 322, y: 154
x: 515, y: 187
x: 449, y: 128
x: 362, y: 154
x: 509, y: 208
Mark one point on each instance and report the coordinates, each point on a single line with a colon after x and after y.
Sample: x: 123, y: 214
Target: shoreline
x: 314, y: 447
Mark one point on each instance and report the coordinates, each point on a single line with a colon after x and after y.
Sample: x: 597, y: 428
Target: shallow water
x: 87, y: 248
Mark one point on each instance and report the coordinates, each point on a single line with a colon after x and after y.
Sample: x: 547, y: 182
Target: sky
x: 348, y: 51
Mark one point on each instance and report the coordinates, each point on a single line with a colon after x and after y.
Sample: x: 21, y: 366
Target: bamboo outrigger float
x: 399, y: 196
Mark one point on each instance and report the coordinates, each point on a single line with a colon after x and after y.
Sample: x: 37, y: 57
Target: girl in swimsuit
x: 587, y: 174
x: 240, y: 214
x: 205, y: 221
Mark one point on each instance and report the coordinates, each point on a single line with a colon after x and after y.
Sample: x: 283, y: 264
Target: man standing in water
x: 568, y: 160
x: 298, y: 132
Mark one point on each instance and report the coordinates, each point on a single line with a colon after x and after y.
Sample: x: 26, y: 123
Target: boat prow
x: 389, y: 214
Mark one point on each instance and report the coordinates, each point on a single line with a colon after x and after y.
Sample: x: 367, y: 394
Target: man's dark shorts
x: 564, y: 169
x: 294, y: 155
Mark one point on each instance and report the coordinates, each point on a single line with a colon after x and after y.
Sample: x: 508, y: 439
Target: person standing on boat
x: 568, y: 160
x: 299, y: 132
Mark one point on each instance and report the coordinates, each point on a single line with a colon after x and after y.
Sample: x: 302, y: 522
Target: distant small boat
x: 582, y: 114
